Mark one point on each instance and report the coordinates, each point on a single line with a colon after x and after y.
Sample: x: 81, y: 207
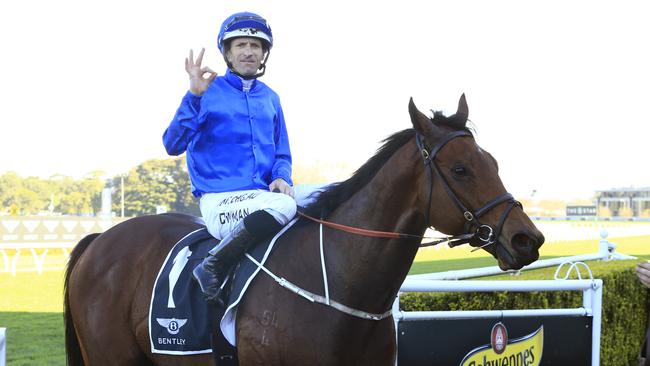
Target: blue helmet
x: 245, y: 24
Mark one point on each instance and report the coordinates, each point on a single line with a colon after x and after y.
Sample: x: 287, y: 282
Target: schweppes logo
x: 524, y: 351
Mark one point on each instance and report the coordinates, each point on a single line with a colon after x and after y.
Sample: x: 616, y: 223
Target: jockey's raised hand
x: 198, y: 81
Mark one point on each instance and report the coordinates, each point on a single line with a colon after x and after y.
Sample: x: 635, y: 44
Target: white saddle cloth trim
x: 228, y: 321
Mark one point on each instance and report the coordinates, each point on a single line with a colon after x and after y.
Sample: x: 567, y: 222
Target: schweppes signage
x: 524, y: 351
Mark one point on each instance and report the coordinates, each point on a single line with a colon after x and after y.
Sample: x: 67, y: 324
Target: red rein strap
x: 451, y: 241
x: 359, y: 231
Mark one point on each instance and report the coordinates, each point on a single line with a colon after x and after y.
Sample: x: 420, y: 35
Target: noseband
x: 485, y: 233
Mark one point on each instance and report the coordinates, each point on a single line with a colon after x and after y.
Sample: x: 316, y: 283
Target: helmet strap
x: 259, y: 74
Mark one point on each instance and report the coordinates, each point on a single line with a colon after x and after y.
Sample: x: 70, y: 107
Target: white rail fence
x: 606, y: 251
x: 3, y: 346
x: 39, y: 236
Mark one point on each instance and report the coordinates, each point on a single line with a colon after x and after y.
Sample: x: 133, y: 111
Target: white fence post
x: 3, y: 344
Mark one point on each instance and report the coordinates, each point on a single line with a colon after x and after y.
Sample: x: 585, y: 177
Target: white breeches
x: 222, y: 211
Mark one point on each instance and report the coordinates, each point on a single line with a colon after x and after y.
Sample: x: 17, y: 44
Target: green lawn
x: 34, y: 338
x: 31, y: 308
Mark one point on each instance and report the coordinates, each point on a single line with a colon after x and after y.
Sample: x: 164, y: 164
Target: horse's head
x: 461, y: 192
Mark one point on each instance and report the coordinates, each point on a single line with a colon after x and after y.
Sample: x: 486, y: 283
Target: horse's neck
x: 390, y: 201
x: 376, y: 267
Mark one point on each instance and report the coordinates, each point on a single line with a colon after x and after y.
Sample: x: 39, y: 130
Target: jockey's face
x: 245, y: 55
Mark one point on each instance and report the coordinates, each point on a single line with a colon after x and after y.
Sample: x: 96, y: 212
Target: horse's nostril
x: 525, y: 241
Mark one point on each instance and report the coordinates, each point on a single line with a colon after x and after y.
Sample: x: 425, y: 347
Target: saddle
x: 181, y: 321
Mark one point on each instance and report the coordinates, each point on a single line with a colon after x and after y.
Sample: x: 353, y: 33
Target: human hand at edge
x: 281, y: 186
x: 198, y: 81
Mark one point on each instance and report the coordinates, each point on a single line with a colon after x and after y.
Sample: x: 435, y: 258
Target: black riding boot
x: 211, y: 273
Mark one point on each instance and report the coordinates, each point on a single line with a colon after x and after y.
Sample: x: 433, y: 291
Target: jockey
x: 238, y: 157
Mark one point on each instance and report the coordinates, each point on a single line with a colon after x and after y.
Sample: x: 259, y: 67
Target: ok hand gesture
x: 198, y: 82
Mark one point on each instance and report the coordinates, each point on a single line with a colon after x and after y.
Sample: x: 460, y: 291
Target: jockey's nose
x: 248, y: 49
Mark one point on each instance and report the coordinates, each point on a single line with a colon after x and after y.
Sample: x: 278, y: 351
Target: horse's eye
x: 459, y: 170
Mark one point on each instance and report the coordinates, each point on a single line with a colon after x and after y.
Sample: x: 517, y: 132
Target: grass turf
x: 34, y: 338
x: 31, y: 308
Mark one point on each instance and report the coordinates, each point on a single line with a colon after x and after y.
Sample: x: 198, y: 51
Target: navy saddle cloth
x: 180, y: 319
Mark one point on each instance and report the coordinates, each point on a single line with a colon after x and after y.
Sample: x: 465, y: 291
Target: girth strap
x: 320, y: 299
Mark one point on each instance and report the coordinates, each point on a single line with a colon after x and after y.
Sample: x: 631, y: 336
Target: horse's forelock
x: 456, y: 122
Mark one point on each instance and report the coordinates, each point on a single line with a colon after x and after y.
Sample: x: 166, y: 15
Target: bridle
x: 485, y: 233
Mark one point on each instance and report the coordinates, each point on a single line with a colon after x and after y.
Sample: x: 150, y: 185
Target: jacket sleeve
x: 184, y: 125
x: 282, y: 166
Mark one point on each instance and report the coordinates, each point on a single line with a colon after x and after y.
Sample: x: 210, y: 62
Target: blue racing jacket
x: 235, y: 140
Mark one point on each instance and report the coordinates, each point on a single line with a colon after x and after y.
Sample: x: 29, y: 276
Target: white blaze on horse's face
x: 245, y: 55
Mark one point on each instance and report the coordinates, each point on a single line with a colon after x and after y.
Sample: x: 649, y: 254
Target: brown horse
x: 432, y: 175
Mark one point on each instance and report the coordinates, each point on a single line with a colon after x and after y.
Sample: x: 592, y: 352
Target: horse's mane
x: 340, y: 192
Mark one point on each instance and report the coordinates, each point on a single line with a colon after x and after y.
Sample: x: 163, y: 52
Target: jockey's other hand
x: 198, y: 81
x: 281, y: 186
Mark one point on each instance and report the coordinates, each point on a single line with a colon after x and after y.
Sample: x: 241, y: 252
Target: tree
x: 74, y: 203
x: 76, y: 197
x: 27, y: 201
x: 43, y: 190
x: 185, y: 201
x: 32, y: 195
x: 155, y: 183
x: 9, y: 184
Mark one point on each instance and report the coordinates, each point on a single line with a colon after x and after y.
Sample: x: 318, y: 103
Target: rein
x: 387, y: 234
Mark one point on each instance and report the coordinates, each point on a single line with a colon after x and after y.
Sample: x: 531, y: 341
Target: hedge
x: 625, y: 305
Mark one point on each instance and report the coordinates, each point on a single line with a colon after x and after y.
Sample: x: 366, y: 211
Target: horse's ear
x: 422, y: 123
x: 463, y: 110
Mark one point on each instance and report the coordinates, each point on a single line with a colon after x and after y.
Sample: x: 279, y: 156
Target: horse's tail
x: 73, y: 350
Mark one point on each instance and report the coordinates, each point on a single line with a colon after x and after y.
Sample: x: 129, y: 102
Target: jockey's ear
x: 423, y: 124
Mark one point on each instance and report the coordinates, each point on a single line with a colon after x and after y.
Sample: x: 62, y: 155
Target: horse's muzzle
x: 522, y: 250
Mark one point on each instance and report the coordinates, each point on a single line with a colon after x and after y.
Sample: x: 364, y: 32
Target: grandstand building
x: 637, y: 199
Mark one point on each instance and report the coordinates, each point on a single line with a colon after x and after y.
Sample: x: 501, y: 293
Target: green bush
x: 624, y: 314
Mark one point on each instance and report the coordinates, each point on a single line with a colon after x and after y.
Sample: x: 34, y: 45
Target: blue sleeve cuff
x: 189, y: 111
x: 193, y: 100
x: 284, y: 174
